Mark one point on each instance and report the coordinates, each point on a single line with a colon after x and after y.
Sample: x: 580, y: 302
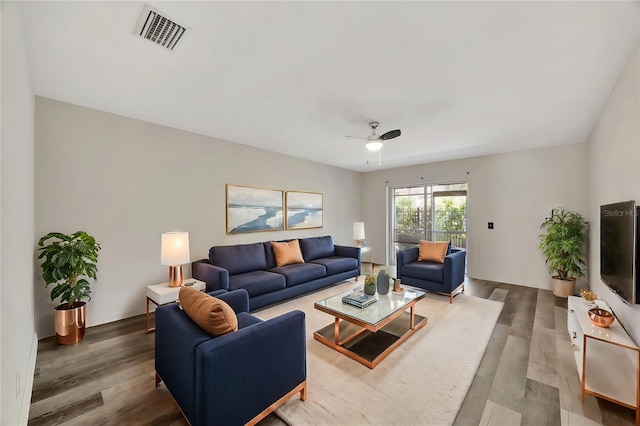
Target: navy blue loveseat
x: 236, y: 378
x: 252, y: 267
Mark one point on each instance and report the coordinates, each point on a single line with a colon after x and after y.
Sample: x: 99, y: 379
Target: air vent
x: 159, y: 29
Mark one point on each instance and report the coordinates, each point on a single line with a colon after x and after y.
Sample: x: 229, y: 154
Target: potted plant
x: 370, y: 282
x: 68, y: 261
x: 562, y: 244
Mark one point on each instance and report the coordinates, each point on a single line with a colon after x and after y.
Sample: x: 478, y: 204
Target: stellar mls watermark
x: 619, y: 213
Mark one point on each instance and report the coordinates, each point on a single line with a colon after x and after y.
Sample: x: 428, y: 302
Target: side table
x: 366, y: 250
x: 162, y: 294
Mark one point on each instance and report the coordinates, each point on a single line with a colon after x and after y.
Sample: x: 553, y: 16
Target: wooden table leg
x: 336, y: 331
x: 412, y: 323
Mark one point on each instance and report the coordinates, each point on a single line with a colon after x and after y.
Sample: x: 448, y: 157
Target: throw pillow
x: 430, y: 251
x: 213, y: 315
x: 287, y: 253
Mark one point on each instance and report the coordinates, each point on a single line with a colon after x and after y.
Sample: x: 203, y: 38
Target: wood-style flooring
x: 527, y: 376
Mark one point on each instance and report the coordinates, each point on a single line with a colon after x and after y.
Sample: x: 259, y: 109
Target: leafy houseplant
x: 562, y: 245
x: 68, y: 259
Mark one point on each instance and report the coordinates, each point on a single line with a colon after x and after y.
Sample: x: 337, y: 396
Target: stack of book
x: 359, y: 299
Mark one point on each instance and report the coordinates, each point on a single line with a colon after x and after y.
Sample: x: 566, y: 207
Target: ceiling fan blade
x: 355, y: 137
x: 390, y: 135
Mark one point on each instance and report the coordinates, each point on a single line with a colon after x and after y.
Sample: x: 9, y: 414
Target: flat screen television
x: 619, y: 249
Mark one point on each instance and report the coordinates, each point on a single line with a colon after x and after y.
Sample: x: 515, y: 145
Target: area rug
x: 423, y: 382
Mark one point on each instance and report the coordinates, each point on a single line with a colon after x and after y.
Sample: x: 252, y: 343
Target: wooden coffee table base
x: 368, y: 345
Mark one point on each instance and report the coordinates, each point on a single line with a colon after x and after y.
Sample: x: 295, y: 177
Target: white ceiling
x: 459, y: 79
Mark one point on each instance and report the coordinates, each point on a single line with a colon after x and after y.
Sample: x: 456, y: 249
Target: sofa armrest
x: 237, y: 299
x: 176, y: 339
x: 454, y: 268
x: 217, y: 278
x: 241, y: 373
x: 348, y: 251
x: 405, y: 257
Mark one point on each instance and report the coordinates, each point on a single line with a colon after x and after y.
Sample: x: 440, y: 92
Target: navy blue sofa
x: 236, y: 378
x: 445, y: 278
x: 252, y: 267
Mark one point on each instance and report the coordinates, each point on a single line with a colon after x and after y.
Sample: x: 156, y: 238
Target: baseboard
x: 115, y: 316
x: 25, y: 401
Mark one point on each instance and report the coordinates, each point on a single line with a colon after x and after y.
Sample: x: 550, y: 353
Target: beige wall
x: 126, y: 181
x: 614, y: 174
x: 516, y: 191
x: 19, y: 341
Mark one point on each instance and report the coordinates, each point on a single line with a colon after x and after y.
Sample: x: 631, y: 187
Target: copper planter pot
x: 70, y: 323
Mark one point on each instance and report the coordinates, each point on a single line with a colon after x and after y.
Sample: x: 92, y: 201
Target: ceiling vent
x: 159, y: 29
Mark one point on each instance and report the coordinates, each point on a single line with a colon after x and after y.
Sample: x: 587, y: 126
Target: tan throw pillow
x: 287, y: 253
x: 213, y: 315
x: 432, y: 251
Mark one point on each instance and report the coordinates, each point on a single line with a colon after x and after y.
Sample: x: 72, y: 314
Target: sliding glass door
x: 427, y: 212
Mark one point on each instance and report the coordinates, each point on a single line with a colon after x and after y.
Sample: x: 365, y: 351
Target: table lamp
x: 174, y: 252
x: 358, y: 232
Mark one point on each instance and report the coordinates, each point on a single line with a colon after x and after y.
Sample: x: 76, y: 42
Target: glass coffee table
x: 373, y: 332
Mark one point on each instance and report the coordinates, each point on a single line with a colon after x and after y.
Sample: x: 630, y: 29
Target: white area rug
x: 423, y: 382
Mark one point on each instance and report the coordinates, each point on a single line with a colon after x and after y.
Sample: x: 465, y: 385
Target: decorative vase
x: 370, y: 289
x: 70, y: 323
x: 383, y: 282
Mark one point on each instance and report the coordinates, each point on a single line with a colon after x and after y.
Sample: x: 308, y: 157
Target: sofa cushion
x: 257, y: 282
x: 335, y: 264
x: 212, y: 315
x: 287, y: 253
x: 425, y: 271
x: 300, y: 272
x: 430, y: 251
x: 239, y: 258
x: 317, y: 247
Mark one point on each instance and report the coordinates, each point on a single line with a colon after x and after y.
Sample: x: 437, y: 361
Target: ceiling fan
x: 375, y: 141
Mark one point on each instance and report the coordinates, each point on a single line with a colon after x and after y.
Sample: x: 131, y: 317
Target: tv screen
x: 618, y: 243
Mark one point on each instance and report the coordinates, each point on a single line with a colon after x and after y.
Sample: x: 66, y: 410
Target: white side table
x: 366, y: 250
x: 162, y: 294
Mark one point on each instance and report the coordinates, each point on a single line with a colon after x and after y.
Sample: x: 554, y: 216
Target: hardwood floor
x: 527, y: 375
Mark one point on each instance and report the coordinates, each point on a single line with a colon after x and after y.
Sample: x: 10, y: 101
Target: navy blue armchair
x: 444, y: 278
x: 237, y: 378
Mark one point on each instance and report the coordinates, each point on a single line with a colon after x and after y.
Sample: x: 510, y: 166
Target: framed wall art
x: 303, y: 210
x: 254, y: 209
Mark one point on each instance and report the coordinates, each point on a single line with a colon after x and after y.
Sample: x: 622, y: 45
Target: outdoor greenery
x: 562, y: 243
x: 410, y: 220
x: 69, y: 258
x: 450, y: 217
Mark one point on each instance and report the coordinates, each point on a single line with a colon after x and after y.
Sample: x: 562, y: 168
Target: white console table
x: 608, y: 360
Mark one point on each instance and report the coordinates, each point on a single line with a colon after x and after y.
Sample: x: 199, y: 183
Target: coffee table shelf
x: 370, y: 334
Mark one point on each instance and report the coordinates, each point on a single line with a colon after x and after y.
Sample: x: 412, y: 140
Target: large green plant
x: 563, y: 242
x: 69, y: 258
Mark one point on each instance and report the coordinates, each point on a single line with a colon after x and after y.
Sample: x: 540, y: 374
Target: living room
x: 126, y: 180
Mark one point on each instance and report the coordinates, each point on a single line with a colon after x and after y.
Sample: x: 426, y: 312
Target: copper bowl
x: 601, y: 317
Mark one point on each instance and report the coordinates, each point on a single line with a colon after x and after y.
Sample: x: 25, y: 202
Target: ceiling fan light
x: 373, y: 145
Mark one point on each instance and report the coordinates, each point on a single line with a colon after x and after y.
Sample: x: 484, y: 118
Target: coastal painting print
x: 253, y: 209
x: 304, y: 210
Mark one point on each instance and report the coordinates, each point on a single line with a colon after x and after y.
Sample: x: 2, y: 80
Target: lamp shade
x: 174, y: 248
x: 358, y: 230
